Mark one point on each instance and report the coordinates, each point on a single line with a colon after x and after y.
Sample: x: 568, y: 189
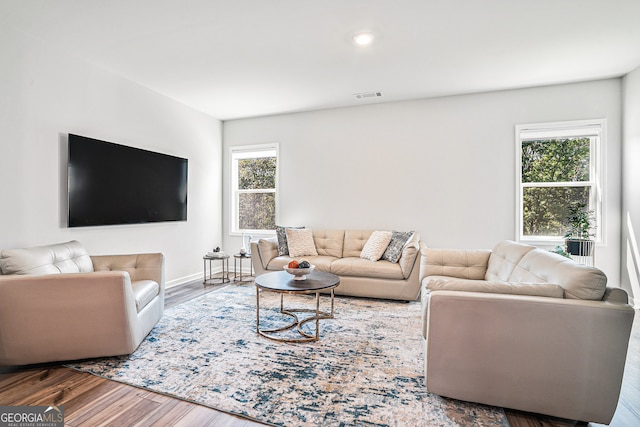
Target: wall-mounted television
x: 112, y: 184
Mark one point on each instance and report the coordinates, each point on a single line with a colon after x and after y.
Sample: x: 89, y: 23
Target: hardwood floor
x: 92, y: 401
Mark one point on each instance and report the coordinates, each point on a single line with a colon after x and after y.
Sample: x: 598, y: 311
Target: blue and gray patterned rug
x: 367, y: 368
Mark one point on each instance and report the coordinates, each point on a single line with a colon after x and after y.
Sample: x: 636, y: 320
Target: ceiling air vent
x: 365, y: 95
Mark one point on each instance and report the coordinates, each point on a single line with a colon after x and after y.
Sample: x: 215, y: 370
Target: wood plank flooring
x: 92, y: 401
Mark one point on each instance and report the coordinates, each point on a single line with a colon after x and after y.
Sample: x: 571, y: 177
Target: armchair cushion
x: 69, y: 257
x: 144, y: 291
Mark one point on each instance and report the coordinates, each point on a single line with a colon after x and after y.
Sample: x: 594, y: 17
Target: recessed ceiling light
x: 363, y: 39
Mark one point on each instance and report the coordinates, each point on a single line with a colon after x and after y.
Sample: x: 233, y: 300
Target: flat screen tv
x: 112, y: 184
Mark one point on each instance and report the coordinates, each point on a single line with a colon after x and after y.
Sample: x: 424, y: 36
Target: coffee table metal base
x: 296, y: 323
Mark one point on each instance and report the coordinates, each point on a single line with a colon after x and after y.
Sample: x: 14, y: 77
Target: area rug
x: 366, y: 369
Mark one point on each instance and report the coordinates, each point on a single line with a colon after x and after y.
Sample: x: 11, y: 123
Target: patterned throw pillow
x: 283, y: 247
x: 376, y: 245
x: 300, y: 241
x: 398, y: 240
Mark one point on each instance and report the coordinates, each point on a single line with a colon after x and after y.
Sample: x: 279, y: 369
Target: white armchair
x: 522, y: 328
x: 57, y: 303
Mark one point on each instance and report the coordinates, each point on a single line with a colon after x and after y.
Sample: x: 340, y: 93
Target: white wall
x: 444, y: 167
x: 46, y: 94
x: 630, y: 260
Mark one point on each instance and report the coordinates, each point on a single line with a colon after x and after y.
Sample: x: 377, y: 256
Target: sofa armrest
x: 460, y: 263
x: 66, y: 316
x: 409, y: 254
x: 139, y: 266
x: 615, y: 295
x: 570, y: 353
x: 262, y: 252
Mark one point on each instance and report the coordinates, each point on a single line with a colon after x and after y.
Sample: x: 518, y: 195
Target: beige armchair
x: 57, y: 303
x: 522, y: 328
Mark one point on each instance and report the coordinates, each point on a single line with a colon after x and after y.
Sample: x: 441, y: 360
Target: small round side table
x: 224, y: 275
x: 239, y: 277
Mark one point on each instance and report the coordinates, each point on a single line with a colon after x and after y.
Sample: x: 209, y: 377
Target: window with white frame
x: 254, y: 182
x: 558, y: 165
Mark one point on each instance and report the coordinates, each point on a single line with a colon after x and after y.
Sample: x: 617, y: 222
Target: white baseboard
x: 183, y: 280
x: 200, y: 276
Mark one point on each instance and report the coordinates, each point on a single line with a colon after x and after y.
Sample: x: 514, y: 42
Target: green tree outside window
x: 555, y: 175
x: 256, y: 185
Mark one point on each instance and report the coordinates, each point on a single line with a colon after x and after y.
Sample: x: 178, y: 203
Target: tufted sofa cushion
x: 139, y: 266
x: 515, y: 262
x: 354, y: 241
x: 362, y: 267
x: 69, y: 257
x: 329, y: 242
x: 463, y: 264
x: 504, y: 259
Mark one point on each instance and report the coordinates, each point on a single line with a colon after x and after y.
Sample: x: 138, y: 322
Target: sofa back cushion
x: 354, y: 241
x: 504, y: 258
x: 579, y: 281
x: 139, y: 266
x: 459, y: 263
x: 69, y: 257
x: 329, y: 242
x: 516, y: 262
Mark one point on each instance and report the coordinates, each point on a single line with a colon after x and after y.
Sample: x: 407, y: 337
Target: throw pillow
x: 283, y: 247
x: 394, y: 250
x: 376, y: 245
x: 300, y: 242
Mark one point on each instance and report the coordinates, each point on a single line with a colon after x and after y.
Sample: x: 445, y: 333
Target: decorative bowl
x: 299, y: 273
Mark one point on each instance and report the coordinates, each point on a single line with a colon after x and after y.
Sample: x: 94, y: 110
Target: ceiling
x: 245, y: 58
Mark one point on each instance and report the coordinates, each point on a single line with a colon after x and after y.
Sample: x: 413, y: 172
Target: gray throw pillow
x: 398, y: 240
x: 283, y: 246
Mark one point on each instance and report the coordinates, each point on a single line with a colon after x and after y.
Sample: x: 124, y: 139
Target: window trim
x: 597, y: 173
x: 249, y: 151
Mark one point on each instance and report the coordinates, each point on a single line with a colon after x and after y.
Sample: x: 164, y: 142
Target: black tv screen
x: 112, y: 184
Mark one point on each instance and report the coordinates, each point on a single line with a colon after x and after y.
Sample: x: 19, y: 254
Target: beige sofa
x: 339, y: 253
x: 58, y: 303
x: 523, y: 328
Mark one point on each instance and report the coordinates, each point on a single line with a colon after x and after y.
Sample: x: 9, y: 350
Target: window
x: 558, y: 165
x: 254, y: 183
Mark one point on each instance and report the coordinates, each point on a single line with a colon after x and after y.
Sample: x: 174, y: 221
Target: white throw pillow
x: 300, y: 242
x: 376, y: 245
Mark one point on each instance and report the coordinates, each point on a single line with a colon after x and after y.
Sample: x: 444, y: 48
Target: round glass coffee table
x: 283, y: 283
